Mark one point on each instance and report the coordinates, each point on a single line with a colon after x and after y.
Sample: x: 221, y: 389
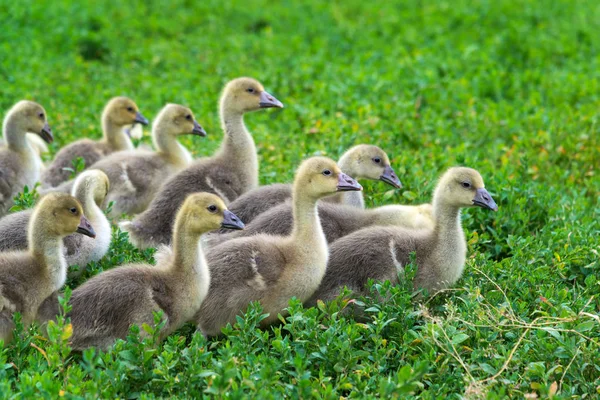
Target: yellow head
x: 205, y: 212
x: 320, y: 176
x: 59, y: 215
x: 369, y: 162
x: 122, y: 111
x: 463, y: 187
x: 175, y: 120
x: 246, y: 94
x: 91, y: 182
x: 29, y: 116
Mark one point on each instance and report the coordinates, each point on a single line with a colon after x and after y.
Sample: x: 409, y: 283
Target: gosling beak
x: 46, y: 133
x: 140, y: 119
x: 269, y: 101
x: 389, y: 177
x: 198, y: 130
x: 231, y: 221
x: 85, y: 228
x: 346, y: 183
x: 484, y: 199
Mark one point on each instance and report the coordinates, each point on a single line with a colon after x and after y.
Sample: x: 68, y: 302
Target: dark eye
x: 130, y: 109
x: 377, y: 160
x: 188, y: 117
x: 327, y: 172
x: 212, y: 208
x: 466, y: 185
x: 73, y: 210
x: 41, y: 115
x: 250, y: 90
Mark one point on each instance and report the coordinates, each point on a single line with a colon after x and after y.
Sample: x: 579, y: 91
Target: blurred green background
x: 509, y: 87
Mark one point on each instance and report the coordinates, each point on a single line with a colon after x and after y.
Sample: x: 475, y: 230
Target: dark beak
x: 140, y: 119
x: 231, y: 221
x: 46, y: 133
x: 346, y: 183
x: 85, y: 228
x: 198, y: 130
x: 269, y: 101
x: 484, y: 199
x: 389, y: 177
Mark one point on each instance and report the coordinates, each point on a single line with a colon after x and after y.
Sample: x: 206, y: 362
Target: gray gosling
x: 337, y: 221
x: 381, y: 253
x: 136, y: 175
x: 90, y: 189
x: 28, y: 277
x: 118, y: 113
x: 232, y: 171
x: 273, y: 269
x: 20, y: 164
x: 107, y: 305
x: 361, y: 162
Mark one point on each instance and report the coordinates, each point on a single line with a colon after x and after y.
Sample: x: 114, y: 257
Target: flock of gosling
x: 266, y: 243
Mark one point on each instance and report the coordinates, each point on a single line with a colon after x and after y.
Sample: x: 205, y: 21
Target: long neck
x: 168, y: 145
x: 48, y: 249
x: 15, y: 136
x: 187, y: 251
x: 90, y: 209
x: 448, y: 228
x: 114, y: 135
x: 307, y: 227
x: 238, y: 145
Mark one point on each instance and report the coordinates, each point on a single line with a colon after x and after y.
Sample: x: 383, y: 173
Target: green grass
x: 511, y: 88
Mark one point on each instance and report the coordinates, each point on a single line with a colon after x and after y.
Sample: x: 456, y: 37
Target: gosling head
x: 204, y: 212
x: 463, y: 187
x: 176, y: 120
x: 29, y: 116
x: 91, y: 182
x: 61, y: 214
x: 370, y: 162
x: 122, y: 111
x: 321, y: 176
x: 247, y: 94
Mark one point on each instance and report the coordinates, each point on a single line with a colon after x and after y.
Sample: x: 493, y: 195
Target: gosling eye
x: 212, y: 208
x: 130, y: 109
x: 376, y: 160
x: 250, y: 90
x: 326, y: 172
x: 188, y: 117
x: 466, y: 185
x: 41, y: 115
x: 73, y: 210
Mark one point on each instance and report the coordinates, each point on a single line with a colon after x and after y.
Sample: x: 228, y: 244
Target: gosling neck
x: 448, y: 227
x: 15, y: 137
x: 238, y: 145
x: 167, y: 145
x: 48, y: 249
x: 85, y: 195
x: 187, y: 250
x: 115, y: 135
x: 307, y: 227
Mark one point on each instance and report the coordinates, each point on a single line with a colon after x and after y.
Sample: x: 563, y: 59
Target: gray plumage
x: 360, y: 162
x: 90, y: 190
x: 118, y: 113
x: 381, y: 253
x: 273, y: 269
x: 337, y: 220
x: 20, y: 164
x: 229, y: 173
x: 135, y: 176
x: 28, y: 278
x: 107, y: 305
